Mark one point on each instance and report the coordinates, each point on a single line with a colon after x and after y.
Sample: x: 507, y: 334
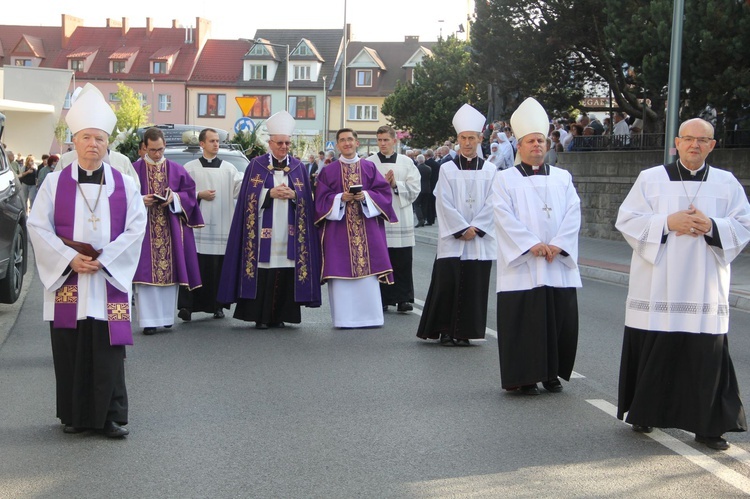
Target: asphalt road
x: 218, y: 409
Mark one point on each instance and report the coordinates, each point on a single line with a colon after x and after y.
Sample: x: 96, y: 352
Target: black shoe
x: 185, y: 314
x: 219, y: 314
x: 385, y: 308
x: 114, y: 430
x: 530, y: 389
x: 279, y: 325
x: 73, y: 429
x: 553, y: 385
x: 404, y: 306
x: 168, y: 326
x: 446, y: 340
x: 420, y: 224
x: 428, y: 223
x: 260, y: 325
x: 148, y: 331
x: 715, y: 443
x: 642, y: 429
x: 461, y: 342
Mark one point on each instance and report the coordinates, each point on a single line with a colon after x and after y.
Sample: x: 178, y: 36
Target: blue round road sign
x: 244, y: 125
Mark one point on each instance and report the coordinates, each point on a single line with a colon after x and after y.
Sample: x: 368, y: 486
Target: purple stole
x: 267, y: 222
x: 66, y: 297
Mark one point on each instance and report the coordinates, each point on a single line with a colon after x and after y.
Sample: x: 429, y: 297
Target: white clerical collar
x: 151, y: 162
x: 90, y: 172
x: 348, y: 161
x: 278, y: 160
x: 693, y: 172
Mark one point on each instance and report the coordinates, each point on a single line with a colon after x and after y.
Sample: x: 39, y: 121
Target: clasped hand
x: 282, y: 191
x: 348, y: 196
x: 690, y: 222
x: 548, y: 251
x: 83, y: 264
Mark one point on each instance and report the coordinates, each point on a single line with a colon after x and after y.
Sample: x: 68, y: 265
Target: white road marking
x: 696, y: 457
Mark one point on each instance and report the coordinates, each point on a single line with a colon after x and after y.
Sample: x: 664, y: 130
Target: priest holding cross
x: 537, y: 219
x: 86, y: 226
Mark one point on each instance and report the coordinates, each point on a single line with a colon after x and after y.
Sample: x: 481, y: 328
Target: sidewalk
x: 609, y: 261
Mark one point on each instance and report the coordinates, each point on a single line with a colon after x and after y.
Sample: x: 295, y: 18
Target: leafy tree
x: 131, y: 113
x: 549, y: 49
x: 442, y: 83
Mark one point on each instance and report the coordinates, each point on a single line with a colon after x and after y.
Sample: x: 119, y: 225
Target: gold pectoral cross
x: 93, y: 220
x: 256, y: 180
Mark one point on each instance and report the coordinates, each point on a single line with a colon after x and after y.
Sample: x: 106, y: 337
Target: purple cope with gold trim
x: 249, y: 237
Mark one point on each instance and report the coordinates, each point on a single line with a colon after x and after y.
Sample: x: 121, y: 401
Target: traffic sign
x: 246, y: 104
x: 329, y: 145
x: 244, y: 125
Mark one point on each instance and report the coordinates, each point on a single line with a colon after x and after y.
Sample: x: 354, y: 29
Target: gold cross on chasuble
x: 256, y: 180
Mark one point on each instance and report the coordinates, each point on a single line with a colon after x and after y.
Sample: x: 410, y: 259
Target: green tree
x: 442, y: 83
x: 131, y: 113
x: 551, y: 48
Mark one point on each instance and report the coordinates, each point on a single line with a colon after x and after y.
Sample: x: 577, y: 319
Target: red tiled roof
x: 220, y: 62
x: 110, y: 41
x: 49, y: 36
x: 36, y: 45
x: 164, y: 53
x: 123, y: 53
x: 82, y: 52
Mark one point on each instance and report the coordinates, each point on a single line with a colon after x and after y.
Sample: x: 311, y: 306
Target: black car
x: 13, y: 235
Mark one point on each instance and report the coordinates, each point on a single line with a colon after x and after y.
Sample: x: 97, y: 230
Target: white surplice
x: 226, y: 180
x: 522, y: 222
x: 682, y: 284
x: 279, y: 257
x: 119, y: 257
x: 408, y: 187
x: 463, y: 201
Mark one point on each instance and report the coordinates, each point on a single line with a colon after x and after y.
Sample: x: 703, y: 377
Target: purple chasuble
x: 250, y: 236
x: 66, y: 297
x: 169, y: 255
x: 355, y: 246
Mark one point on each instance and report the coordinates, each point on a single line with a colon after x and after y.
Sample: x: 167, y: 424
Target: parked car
x: 13, y: 235
x: 179, y: 152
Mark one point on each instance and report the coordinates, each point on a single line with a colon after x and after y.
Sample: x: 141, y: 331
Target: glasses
x: 703, y: 141
x: 281, y: 143
x: 155, y: 151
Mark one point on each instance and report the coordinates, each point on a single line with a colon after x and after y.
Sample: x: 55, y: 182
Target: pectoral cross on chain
x: 470, y: 199
x: 547, y: 209
x: 93, y: 221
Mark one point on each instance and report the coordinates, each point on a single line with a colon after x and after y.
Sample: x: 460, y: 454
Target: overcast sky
x: 371, y: 20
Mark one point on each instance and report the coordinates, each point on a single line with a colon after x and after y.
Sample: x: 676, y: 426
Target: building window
x: 212, y: 105
x: 258, y: 49
x: 363, y: 113
x: 165, y: 102
x: 258, y: 72
x: 118, y: 66
x: 76, y: 64
x: 141, y: 99
x: 303, y: 50
x: 364, y: 77
x: 302, y: 107
x: 301, y: 72
x: 262, y: 106
x: 160, y: 67
x: 113, y: 97
x: 23, y: 62
x: 66, y: 104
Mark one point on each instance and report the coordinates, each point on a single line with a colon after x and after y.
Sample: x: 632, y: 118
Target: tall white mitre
x: 90, y: 110
x: 530, y: 117
x: 468, y: 119
x: 281, y: 123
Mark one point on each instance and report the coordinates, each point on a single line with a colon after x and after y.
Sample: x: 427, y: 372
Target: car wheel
x: 10, y: 287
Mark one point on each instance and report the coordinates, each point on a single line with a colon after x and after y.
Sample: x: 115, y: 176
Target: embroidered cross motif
x: 298, y: 184
x: 256, y: 180
x: 265, y: 233
x: 66, y: 294
x: 118, y: 312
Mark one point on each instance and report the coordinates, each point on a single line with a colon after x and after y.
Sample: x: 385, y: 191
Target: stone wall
x: 603, y: 179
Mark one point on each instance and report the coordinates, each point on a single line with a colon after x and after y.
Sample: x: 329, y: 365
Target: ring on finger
x: 692, y: 229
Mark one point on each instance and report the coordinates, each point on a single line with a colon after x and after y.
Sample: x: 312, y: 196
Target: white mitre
x: 468, y: 119
x: 281, y: 123
x: 530, y: 117
x: 90, y: 110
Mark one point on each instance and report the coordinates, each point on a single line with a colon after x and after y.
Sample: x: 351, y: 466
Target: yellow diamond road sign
x: 246, y: 104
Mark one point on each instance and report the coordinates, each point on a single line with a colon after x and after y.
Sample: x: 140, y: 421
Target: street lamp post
x: 286, y: 78
x: 325, y: 111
